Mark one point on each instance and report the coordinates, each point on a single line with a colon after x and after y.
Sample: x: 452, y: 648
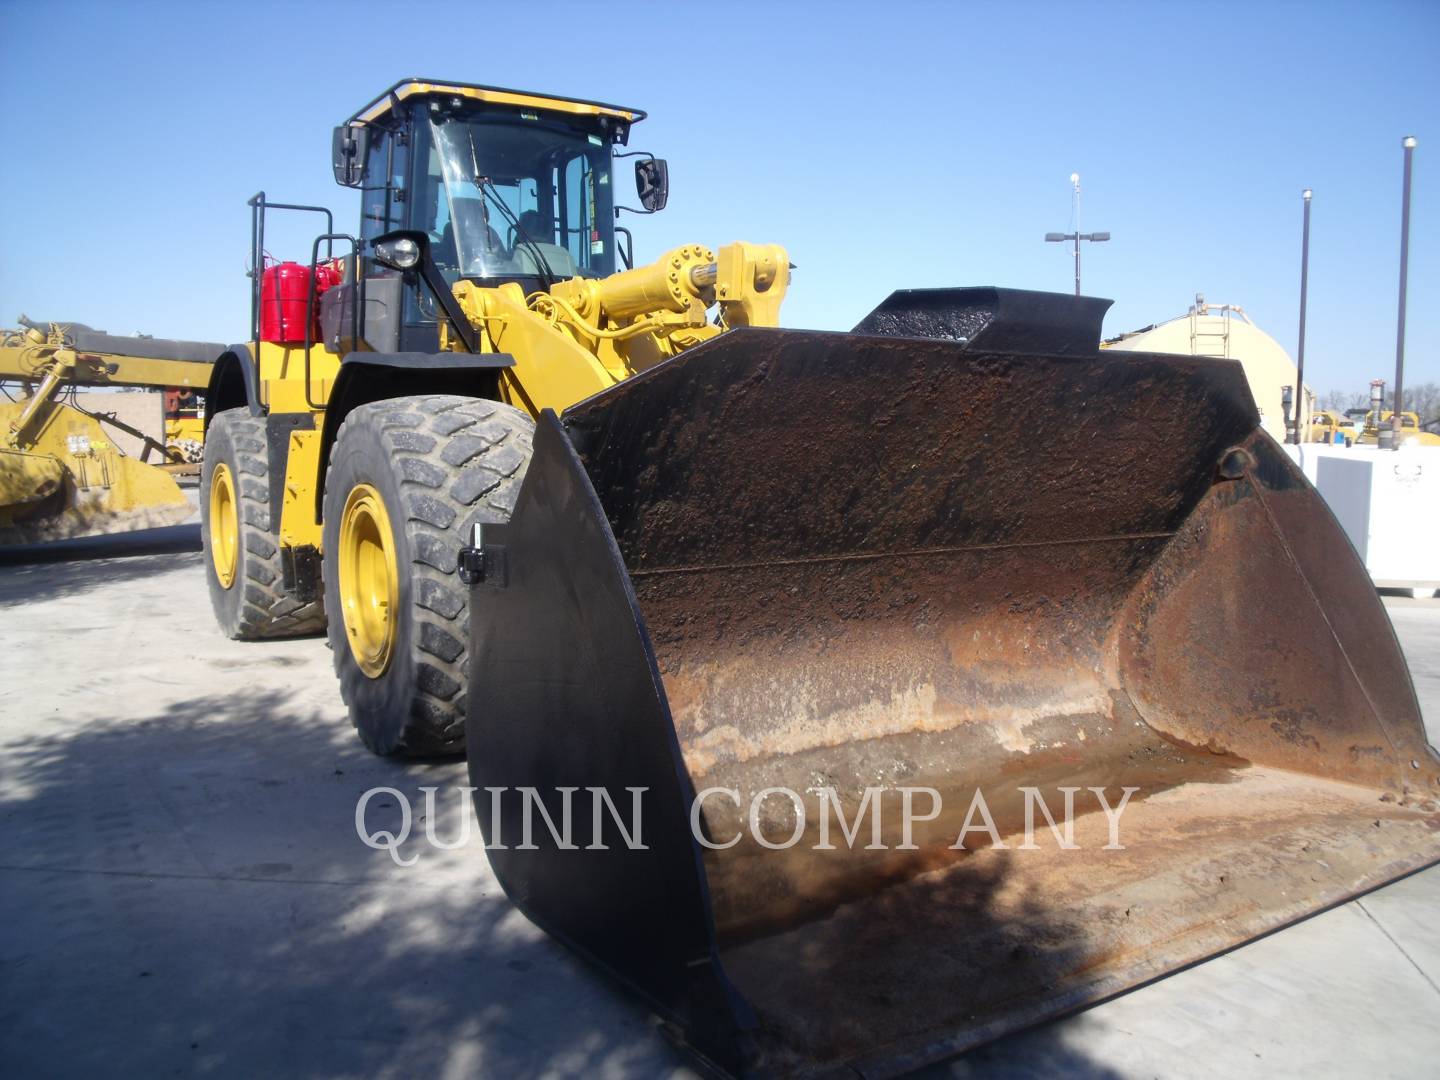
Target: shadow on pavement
x: 1043, y: 1053
x: 73, y: 567
x: 187, y: 892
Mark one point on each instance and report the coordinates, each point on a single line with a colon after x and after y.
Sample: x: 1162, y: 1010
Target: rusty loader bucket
x: 830, y: 619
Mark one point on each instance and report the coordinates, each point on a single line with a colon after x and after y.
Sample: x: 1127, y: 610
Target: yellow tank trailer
x: 61, y: 472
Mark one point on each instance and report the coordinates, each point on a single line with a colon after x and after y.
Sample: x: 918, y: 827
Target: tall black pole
x: 1077, y: 263
x: 1395, y: 421
x: 1299, y: 434
x: 1075, y: 179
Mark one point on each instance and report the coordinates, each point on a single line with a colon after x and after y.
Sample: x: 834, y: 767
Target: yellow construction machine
x: 1411, y: 433
x: 612, y: 532
x: 1330, y: 427
x: 62, y: 471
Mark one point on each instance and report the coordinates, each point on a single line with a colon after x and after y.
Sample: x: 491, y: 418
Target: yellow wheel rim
x: 224, y: 526
x: 369, y: 581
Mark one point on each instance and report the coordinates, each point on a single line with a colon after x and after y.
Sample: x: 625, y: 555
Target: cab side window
x: 383, y: 194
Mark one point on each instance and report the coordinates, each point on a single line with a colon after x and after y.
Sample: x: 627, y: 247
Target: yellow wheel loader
x: 62, y: 473
x: 814, y: 619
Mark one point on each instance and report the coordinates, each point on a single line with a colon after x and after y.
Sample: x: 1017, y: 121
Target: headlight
x: 400, y: 254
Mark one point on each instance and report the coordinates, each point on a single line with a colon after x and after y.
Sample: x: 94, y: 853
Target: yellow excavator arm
x: 32, y: 352
x: 61, y: 474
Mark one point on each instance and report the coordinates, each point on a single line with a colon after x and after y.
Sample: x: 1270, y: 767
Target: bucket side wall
x: 1258, y: 633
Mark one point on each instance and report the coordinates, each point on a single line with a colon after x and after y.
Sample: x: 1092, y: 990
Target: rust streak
x: 862, y: 556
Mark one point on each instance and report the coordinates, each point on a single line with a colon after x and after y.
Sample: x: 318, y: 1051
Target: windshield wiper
x: 487, y: 187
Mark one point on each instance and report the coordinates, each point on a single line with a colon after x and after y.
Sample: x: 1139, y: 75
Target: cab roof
x: 386, y: 102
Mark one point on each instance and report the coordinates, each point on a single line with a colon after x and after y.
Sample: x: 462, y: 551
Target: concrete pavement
x: 182, y: 890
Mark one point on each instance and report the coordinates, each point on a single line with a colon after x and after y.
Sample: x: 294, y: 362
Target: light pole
x: 1296, y: 433
x: 1397, y: 403
x: 1077, y: 235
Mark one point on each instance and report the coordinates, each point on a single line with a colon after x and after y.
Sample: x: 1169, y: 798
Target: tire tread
x: 266, y: 611
x: 441, y: 497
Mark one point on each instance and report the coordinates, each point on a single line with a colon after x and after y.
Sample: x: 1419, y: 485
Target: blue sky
x: 887, y: 146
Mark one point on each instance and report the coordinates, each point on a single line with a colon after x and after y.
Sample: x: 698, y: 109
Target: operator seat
x: 540, y: 232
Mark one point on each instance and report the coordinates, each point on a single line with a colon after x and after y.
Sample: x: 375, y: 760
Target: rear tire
x: 409, y: 477
x: 242, y: 552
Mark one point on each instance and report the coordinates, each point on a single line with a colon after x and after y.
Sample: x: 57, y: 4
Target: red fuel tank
x: 284, y: 289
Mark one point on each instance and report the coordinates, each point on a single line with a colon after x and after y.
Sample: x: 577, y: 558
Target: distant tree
x: 1340, y: 400
x: 1424, y: 399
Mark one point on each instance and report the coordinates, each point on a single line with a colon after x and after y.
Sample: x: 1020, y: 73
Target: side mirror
x: 348, y: 148
x: 652, y: 183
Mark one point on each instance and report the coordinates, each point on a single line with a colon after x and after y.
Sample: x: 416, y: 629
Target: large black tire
x: 253, y: 605
x: 439, y: 464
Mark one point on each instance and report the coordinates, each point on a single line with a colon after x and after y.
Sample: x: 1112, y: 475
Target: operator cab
x: 509, y: 187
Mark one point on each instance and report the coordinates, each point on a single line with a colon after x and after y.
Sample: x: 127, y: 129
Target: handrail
x: 357, y: 307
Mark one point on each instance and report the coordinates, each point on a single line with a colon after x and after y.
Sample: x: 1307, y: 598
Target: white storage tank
x: 1225, y: 331
x: 1388, y: 503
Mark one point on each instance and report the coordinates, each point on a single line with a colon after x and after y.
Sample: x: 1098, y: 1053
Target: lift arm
x: 83, y: 357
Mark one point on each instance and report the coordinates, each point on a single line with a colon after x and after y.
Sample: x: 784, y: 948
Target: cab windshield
x: 510, y: 197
